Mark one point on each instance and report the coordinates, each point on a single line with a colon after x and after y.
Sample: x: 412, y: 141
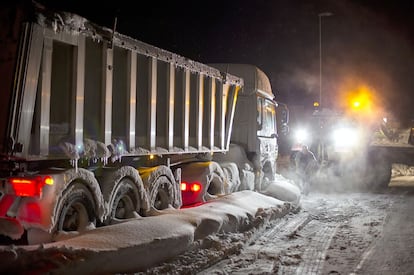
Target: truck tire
x: 123, y: 192
x: 77, y: 212
x: 162, y: 189
x: 125, y: 203
x: 378, y: 172
x: 162, y: 198
x: 231, y: 171
x: 216, y: 181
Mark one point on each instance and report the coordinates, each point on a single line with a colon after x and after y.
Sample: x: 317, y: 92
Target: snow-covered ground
x: 140, y: 243
x: 201, y: 235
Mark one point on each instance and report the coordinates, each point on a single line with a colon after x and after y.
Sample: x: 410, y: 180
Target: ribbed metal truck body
x: 96, y: 126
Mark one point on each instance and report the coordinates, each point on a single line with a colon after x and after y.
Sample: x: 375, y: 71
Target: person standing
x: 306, y: 166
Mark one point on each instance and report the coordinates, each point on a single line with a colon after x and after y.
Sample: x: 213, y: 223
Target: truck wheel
x: 125, y: 203
x: 216, y: 183
x: 162, y: 189
x: 78, y: 209
x: 379, y: 173
x: 162, y: 198
x: 232, y: 183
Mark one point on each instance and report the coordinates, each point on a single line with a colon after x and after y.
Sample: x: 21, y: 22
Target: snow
x: 285, y: 192
x: 142, y: 242
x: 219, y: 226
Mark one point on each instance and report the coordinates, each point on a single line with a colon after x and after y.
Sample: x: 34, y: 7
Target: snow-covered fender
x: 62, y: 185
x: 41, y: 213
x: 110, y: 184
x: 161, y: 178
x: 211, y: 177
x: 232, y: 184
x: 237, y: 155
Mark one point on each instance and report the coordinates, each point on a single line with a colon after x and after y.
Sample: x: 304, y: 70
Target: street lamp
x: 320, y: 15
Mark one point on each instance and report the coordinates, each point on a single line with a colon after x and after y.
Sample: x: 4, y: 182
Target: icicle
x: 104, y: 160
x: 74, y: 163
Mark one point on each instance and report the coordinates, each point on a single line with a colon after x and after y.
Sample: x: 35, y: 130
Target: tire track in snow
x: 313, y: 258
x: 330, y: 235
x: 261, y: 255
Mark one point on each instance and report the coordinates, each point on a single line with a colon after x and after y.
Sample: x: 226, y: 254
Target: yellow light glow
x: 196, y: 187
x: 360, y: 103
x: 356, y: 104
x: 49, y: 180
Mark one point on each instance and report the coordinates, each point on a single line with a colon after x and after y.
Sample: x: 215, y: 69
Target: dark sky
x: 364, y: 43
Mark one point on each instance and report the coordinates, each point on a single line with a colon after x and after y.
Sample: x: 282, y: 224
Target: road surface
x: 333, y: 233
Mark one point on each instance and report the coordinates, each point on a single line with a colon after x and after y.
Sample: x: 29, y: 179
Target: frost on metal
x: 117, y: 149
x: 231, y: 171
x: 161, y: 177
x: 95, y: 150
x: 72, y: 152
x: 61, y: 21
x: 110, y: 186
x: 75, y: 24
x: 70, y: 176
x: 237, y: 155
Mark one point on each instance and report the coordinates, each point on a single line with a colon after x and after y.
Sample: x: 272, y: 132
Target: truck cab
x: 255, y: 121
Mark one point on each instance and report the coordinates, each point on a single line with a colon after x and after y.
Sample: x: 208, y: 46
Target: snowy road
x: 242, y: 233
x: 348, y: 233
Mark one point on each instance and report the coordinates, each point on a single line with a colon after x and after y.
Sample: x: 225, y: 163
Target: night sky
x: 364, y: 43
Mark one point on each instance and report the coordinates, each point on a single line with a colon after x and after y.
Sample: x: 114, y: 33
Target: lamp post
x: 320, y: 15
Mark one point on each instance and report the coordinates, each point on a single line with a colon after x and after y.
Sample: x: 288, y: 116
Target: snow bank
x: 140, y: 243
x: 282, y: 189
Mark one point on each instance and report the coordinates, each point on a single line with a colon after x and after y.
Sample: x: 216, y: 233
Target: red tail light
x: 190, y: 187
x: 30, y: 187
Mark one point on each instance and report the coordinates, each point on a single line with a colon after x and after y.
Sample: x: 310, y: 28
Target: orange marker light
x: 195, y: 187
x: 48, y: 180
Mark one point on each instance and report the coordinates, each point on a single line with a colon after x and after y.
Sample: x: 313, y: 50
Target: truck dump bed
x: 72, y: 89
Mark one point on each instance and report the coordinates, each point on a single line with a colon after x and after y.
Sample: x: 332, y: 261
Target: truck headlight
x: 301, y: 135
x: 345, y: 139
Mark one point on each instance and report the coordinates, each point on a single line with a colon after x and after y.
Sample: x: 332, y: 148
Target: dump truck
x: 97, y: 127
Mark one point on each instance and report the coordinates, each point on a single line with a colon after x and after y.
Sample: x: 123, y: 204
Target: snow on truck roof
x: 255, y: 80
x: 62, y: 21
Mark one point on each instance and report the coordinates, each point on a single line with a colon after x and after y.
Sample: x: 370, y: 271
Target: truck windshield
x: 266, y: 117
